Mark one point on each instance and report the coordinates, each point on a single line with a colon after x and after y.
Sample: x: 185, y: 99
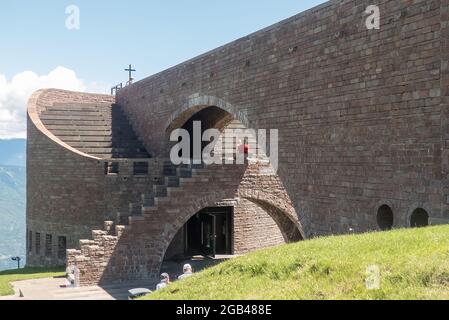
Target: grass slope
x: 414, y: 264
x: 6, y: 277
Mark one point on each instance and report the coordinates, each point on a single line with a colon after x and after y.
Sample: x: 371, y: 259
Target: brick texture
x: 362, y: 119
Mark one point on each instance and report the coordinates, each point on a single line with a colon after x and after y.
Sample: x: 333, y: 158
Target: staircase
x: 183, y: 179
x: 171, y: 179
x: 102, y: 131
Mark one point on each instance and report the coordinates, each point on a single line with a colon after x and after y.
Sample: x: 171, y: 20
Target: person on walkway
x: 165, y: 281
x: 187, y: 269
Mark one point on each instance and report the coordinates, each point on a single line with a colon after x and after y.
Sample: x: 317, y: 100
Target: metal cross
x: 130, y: 70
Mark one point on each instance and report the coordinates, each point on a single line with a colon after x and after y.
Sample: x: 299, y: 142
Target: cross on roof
x: 130, y: 70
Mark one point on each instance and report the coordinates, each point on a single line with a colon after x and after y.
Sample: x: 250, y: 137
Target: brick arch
x: 190, y: 209
x: 196, y: 103
x: 280, y: 210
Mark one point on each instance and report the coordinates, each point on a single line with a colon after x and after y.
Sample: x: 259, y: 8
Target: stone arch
x: 191, y: 208
x: 281, y: 210
x: 195, y: 104
x: 288, y: 228
x: 213, y: 113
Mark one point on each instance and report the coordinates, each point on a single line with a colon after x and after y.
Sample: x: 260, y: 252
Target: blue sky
x: 38, y: 51
x: 153, y: 35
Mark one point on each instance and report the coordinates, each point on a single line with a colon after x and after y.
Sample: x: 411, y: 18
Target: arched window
x: 385, y: 218
x: 419, y: 218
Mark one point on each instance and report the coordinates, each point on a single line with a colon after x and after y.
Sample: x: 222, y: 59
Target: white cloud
x: 14, y: 96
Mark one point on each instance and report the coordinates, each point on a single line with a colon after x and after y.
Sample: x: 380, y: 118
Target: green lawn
x: 413, y: 264
x: 6, y: 277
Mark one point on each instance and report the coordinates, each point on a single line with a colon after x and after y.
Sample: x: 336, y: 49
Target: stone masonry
x: 363, y: 124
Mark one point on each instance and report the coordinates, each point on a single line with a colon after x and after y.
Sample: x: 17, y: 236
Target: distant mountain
x: 12, y: 201
x: 13, y: 152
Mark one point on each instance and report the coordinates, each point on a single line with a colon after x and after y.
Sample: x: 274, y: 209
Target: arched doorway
x: 385, y: 218
x: 233, y: 135
x: 208, y: 118
x: 232, y: 230
x: 419, y: 218
x: 208, y: 233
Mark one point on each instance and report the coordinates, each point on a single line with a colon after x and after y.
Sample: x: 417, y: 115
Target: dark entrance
x: 419, y: 218
x: 209, y: 118
x: 385, y: 218
x: 209, y: 232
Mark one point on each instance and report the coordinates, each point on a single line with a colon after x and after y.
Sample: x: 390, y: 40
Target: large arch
x: 276, y: 203
x: 191, y: 209
x: 195, y: 104
x: 279, y: 207
x: 281, y: 210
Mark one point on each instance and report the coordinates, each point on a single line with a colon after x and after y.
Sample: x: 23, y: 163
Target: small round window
x: 419, y: 218
x: 385, y: 218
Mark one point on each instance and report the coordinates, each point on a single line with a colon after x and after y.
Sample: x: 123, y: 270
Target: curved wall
x: 65, y: 195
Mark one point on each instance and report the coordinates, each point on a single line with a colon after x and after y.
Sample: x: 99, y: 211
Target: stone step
x: 81, y: 133
x: 108, y: 144
x: 101, y: 130
x: 91, y: 144
x: 148, y: 203
x: 85, y: 113
x: 149, y: 210
x: 72, y: 118
x: 77, y: 138
x: 128, y: 156
x: 79, y: 108
x: 169, y: 172
x: 135, y: 219
x: 172, y: 181
x: 84, y: 104
x: 160, y: 190
x: 122, y: 130
x: 133, y: 151
x: 184, y: 172
x: 63, y: 128
x: 200, y: 173
x: 161, y: 200
x: 98, y: 234
x: 79, y: 122
x: 174, y: 191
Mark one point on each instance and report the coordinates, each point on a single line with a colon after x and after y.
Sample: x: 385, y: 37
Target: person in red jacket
x: 244, y: 149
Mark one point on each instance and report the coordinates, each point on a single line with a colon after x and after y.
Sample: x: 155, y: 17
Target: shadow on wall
x: 140, y: 249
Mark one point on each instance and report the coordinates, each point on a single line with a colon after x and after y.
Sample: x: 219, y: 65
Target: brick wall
x: 359, y: 111
x: 136, y: 252
x: 362, y: 121
x: 254, y: 228
x: 68, y: 194
x: 65, y: 190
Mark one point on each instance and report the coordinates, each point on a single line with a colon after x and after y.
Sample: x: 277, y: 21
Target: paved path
x: 52, y: 289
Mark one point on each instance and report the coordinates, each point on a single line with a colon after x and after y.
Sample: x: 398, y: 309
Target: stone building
x: 363, y: 145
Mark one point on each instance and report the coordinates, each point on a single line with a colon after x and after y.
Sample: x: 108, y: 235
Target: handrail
x: 117, y: 88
